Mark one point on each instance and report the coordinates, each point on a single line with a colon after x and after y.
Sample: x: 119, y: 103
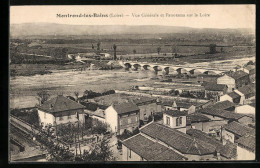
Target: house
x: 214, y: 89
x: 250, y: 69
x: 227, y: 116
x: 234, y: 130
x: 234, y: 80
x: 245, y: 109
x: 175, y: 119
x: 223, y: 105
x: 232, y: 97
x: 95, y: 111
x: 197, y: 121
x: 147, y: 106
x: 123, y: 116
x: 191, y: 107
x: 246, y: 92
x: 61, y: 110
x: 226, y: 152
x: 246, y: 147
x: 187, y: 146
x: 141, y: 148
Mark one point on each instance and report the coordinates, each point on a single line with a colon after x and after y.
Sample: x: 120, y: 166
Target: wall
x: 73, y: 117
x: 226, y: 97
x: 243, y: 154
x: 200, y: 158
x: 206, y: 126
x: 148, y: 109
x: 213, y: 117
x: 129, y: 121
x: 226, y: 135
x: 134, y: 156
x: 226, y: 80
x: 111, y: 118
x: 173, y: 122
x: 49, y: 119
x: 242, y: 98
x: 98, y: 118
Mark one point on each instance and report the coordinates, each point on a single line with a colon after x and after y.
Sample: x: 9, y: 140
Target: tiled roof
x: 239, y: 129
x: 178, y: 140
x: 125, y: 107
x: 228, y: 150
x: 222, y: 105
x: 182, y: 104
x: 233, y: 95
x: 150, y: 150
x: 247, y: 89
x: 247, y: 141
x: 98, y: 113
x: 144, y: 100
x: 60, y: 103
x: 221, y: 113
x: 214, y: 87
x: 176, y: 113
x: 196, y: 117
x: 237, y: 75
x: 93, y: 106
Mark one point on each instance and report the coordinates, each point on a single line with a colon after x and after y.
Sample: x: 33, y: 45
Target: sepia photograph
x: 124, y: 83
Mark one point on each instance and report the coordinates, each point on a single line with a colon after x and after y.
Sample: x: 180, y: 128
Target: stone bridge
x: 167, y: 68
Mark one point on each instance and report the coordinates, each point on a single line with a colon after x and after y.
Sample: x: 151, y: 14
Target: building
x: 245, y: 109
x: 187, y: 146
x: 175, y: 119
x: 226, y: 152
x: 246, y: 147
x: 95, y: 111
x: 123, y: 116
x: 147, y: 106
x: 234, y: 130
x: 223, y: 105
x: 232, y: 97
x: 191, y: 107
x: 60, y: 110
x: 214, y: 89
x: 141, y: 148
x: 246, y: 92
x: 234, y: 80
x: 197, y: 121
x: 250, y: 69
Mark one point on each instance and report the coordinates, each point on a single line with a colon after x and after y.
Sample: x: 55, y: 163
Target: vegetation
x: 29, y: 115
x: 42, y: 96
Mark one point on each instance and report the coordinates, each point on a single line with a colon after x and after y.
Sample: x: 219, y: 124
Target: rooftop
x: 150, y: 150
x: 247, y: 89
x: 239, y: 129
x: 228, y: 150
x: 94, y: 106
x: 178, y: 140
x: 233, y: 95
x: 125, y: 107
x: 182, y: 104
x: 221, y: 113
x: 223, y: 105
x: 196, y: 117
x: 60, y: 103
x: 214, y: 86
x: 236, y: 75
x: 176, y: 113
x: 247, y: 141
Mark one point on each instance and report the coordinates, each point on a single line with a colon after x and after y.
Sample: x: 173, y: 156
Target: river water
x: 23, y: 89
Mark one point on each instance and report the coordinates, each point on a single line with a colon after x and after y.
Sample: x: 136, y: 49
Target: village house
x: 95, y: 111
x: 246, y: 147
x: 215, y: 90
x: 147, y: 106
x: 234, y: 130
x: 245, y: 109
x: 226, y: 152
x: 197, y: 121
x: 175, y: 119
x: 234, y: 80
x: 142, y: 148
x: 60, y: 110
x: 191, y: 107
x: 123, y: 116
x: 250, y: 69
x: 223, y: 105
x: 246, y: 92
x: 232, y: 97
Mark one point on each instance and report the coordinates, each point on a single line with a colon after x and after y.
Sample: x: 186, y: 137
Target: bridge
x: 167, y: 68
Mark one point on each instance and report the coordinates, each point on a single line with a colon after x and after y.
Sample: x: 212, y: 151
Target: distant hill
x: 32, y: 29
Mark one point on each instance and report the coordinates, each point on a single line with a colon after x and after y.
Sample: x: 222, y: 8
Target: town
x: 145, y: 92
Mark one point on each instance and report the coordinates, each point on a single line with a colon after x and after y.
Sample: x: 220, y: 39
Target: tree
x: 42, y: 96
x: 159, y: 50
x: 134, y: 51
x: 98, y: 45
x: 76, y: 95
x: 114, y: 47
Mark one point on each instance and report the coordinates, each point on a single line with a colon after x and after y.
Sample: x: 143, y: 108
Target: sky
x: 220, y: 16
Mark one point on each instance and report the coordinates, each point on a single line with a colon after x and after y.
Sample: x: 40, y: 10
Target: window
x: 180, y: 121
x: 129, y: 153
x: 45, y: 115
x: 177, y: 121
x: 167, y: 120
x: 60, y: 118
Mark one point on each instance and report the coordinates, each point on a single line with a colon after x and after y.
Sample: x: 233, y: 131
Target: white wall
x: 126, y: 155
x: 226, y: 80
x: 245, y: 109
x: 72, y: 119
x: 243, y: 154
x: 173, y: 121
x: 242, y: 98
x: 228, y: 136
x: 111, y: 118
x: 46, y: 118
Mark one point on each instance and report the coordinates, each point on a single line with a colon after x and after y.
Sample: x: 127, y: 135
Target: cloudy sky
x: 220, y: 16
